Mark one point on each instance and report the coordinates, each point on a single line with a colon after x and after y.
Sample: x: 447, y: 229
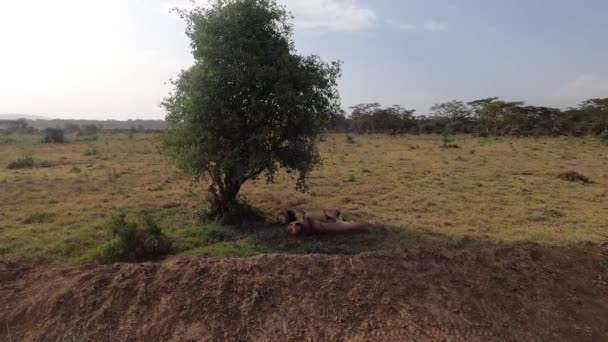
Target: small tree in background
x: 53, y: 136
x: 250, y: 105
x: 453, y: 113
x: 88, y: 130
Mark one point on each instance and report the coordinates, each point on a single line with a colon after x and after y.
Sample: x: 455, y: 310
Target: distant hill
x: 14, y: 116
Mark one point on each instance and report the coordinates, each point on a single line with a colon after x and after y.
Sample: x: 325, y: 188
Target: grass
x: 411, y: 190
x: 573, y: 176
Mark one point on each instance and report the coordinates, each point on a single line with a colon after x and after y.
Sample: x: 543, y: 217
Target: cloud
x: 326, y: 15
x: 400, y: 26
x: 583, y: 87
x: 330, y: 15
x: 436, y: 26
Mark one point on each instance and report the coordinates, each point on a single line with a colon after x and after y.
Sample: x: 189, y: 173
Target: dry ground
x: 416, y: 193
x: 515, y: 293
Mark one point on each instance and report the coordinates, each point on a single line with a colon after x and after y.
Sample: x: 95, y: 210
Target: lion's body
x: 293, y: 215
x: 313, y: 227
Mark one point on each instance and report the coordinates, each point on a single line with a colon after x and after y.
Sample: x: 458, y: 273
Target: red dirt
x: 518, y: 293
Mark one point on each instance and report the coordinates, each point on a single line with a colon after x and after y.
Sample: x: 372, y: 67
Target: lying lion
x: 292, y: 215
x: 313, y: 227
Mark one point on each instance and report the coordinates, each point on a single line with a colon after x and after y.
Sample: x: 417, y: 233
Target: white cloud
x: 400, y: 26
x: 583, y: 87
x: 436, y: 26
x: 328, y: 15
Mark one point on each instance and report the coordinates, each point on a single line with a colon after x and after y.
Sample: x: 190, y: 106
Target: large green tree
x: 250, y: 104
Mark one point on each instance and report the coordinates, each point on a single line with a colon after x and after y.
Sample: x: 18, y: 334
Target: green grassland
x: 412, y: 191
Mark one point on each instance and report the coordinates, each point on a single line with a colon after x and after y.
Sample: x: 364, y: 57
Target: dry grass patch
x: 414, y: 191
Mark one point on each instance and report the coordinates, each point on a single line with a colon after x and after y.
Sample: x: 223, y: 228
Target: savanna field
x: 412, y: 191
x: 490, y: 240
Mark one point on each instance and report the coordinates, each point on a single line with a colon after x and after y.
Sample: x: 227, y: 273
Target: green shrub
x: 26, y: 162
x: 134, y: 241
x: 53, y: 136
x: 573, y: 176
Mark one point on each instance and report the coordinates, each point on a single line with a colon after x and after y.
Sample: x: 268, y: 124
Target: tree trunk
x: 224, y: 195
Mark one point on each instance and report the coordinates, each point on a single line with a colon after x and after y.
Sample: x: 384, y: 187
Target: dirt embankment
x: 514, y: 293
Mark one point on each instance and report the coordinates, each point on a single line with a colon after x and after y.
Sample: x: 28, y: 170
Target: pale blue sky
x: 110, y: 59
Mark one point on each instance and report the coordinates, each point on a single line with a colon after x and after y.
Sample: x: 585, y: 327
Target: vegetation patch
x: 239, y: 212
x: 86, y: 138
x: 90, y: 151
x: 604, y: 137
x: 46, y: 164
x: 573, y: 176
x: 26, y: 162
x: 39, y: 218
x: 7, y: 141
x: 227, y: 249
x: 53, y: 136
x: 134, y: 241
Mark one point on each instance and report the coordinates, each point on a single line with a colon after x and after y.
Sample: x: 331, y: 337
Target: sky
x: 112, y: 59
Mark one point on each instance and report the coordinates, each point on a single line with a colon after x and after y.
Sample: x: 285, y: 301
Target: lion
x: 293, y: 215
x: 313, y: 227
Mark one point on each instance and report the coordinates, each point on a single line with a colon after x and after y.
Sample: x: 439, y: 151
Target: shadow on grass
x: 226, y: 241
x: 381, y: 237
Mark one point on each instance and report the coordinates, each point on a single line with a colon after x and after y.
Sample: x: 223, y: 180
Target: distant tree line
x: 79, y: 127
x: 484, y: 117
x: 15, y: 126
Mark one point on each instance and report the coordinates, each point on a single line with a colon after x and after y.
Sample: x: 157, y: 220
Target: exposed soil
x: 517, y: 293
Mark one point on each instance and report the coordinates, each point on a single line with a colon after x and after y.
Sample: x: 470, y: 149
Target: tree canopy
x: 250, y: 104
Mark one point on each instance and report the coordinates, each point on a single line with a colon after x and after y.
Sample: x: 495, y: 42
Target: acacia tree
x: 452, y: 113
x: 250, y: 104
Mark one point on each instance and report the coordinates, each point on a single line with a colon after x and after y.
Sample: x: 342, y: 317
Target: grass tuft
x: 26, y: 162
x: 573, y: 176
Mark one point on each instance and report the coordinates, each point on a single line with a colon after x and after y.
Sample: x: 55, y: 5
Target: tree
x: 596, y: 111
x: 249, y: 105
x: 53, y: 136
x: 454, y: 113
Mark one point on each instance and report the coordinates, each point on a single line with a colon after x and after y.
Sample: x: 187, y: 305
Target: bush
x: 573, y: 176
x: 26, y: 162
x: 604, y: 137
x: 53, y: 136
x: 134, y: 241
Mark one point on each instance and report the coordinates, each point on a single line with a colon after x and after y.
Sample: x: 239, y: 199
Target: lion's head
x: 295, y: 228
